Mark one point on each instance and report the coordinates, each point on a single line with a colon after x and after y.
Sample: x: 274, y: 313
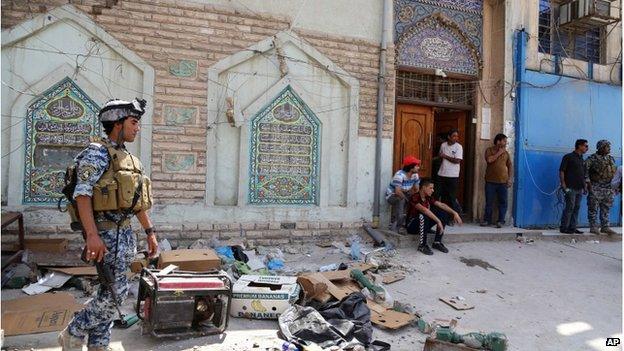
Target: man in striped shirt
x: 403, y: 185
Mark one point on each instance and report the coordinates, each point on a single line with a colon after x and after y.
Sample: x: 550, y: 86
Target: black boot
x: 439, y: 246
x: 425, y: 249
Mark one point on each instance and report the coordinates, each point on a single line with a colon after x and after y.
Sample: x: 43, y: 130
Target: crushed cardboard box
x: 38, y: 314
x: 323, y: 286
x: 190, y: 260
x: 263, y: 297
x: 137, y: 265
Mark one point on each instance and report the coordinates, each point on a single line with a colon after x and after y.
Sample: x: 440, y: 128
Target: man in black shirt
x: 572, y: 177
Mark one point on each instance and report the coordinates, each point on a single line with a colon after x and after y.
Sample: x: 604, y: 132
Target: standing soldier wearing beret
x: 600, y: 169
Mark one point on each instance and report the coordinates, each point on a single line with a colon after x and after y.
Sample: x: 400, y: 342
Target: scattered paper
x: 48, y: 282
x: 254, y: 262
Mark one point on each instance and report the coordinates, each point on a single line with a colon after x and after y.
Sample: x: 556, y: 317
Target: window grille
x: 585, y: 46
x: 428, y: 88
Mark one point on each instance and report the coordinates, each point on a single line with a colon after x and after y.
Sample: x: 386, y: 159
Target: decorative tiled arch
x: 59, y: 125
x: 66, y: 15
x: 437, y: 42
x: 285, y: 153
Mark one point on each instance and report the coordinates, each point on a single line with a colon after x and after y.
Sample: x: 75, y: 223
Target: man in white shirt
x: 452, y: 154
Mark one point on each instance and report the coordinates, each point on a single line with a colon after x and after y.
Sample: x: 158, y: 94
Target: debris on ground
x: 305, y: 325
x: 524, y: 240
x: 333, y: 304
x: 46, y: 283
x: 457, y: 302
x: 493, y: 341
x: 391, y: 277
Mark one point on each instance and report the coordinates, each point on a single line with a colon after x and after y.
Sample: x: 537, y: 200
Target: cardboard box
x: 46, y: 245
x: 38, y: 314
x: 190, y: 260
x: 263, y: 297
x: 137, y: 265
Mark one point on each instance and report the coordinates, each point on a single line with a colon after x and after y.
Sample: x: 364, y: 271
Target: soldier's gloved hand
x: 95, y: 248
x: 152, y: 245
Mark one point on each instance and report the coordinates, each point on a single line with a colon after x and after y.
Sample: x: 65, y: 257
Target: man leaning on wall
x: 498, y: 178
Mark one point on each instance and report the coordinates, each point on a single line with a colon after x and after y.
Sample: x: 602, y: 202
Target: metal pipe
x: 381, y: 92
x: 377, y: 237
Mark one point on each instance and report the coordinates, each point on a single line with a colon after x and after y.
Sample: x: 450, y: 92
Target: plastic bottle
x: 289, y: 346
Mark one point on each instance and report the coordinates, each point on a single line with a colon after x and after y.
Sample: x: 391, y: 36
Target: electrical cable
x: 533, y: 179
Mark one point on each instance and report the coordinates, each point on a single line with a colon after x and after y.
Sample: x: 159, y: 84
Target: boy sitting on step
x: 425, y: 212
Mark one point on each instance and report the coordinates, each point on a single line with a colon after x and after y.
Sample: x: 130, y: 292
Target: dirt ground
x: 548, y: 295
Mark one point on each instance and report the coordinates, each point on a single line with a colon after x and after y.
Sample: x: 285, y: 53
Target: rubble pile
x: 326, y: 306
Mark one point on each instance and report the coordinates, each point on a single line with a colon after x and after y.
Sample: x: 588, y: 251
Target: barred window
x: 418, y: 87
x: 584, y: 46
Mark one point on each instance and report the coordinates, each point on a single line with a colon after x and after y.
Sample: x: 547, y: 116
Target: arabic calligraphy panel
x: 59, y: 125
x: 453, y: 45
x: 285, y: 144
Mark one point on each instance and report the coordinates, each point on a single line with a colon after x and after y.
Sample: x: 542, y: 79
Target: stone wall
x: 183, y: 235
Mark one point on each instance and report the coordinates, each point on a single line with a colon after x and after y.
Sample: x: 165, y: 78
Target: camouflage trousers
x: 600, y: 199
x: 96, y: 319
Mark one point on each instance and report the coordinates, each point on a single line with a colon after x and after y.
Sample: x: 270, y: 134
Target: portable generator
x: 183, y: 303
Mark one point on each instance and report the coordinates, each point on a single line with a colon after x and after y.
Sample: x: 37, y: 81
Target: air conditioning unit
x: 587, y: 14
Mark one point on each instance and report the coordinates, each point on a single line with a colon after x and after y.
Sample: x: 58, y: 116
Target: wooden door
x: 445, y: 121
x: 413, y: 133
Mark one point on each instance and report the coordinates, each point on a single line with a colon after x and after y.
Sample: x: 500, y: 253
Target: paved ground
x: 549, y: 295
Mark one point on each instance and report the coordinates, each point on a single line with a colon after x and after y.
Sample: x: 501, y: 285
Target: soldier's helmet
x: 602, y: 143
x: 115, y: 110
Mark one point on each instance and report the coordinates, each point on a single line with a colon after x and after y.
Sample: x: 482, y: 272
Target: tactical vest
x: 122, y: 188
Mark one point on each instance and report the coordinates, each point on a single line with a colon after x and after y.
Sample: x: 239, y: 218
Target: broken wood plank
x: 392, y: 277
x: 456, y: 304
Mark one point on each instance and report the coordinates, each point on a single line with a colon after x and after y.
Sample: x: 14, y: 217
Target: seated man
x: 425, y: 212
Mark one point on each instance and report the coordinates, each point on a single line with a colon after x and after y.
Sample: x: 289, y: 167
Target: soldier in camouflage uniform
x: 109, y: 238
x: 600, y: 169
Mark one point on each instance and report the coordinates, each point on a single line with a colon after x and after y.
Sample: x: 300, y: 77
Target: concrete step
x: 472, y: 232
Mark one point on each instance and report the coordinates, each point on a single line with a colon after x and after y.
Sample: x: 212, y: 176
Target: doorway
x: 444, y: 121
x: 420, y: 130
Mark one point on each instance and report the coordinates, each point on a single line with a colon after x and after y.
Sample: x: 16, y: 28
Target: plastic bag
x: 275, y: 264
x: 356, y: 247
x: 225, y: 251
